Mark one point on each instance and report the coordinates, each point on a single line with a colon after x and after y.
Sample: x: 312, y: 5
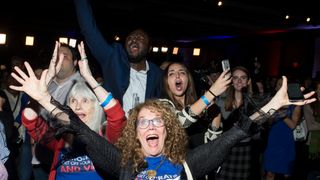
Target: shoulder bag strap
x: 187, y: 170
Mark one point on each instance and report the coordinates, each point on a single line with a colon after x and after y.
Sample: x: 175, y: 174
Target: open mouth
x: 81, y: 115
x: 134, y: 46
x: 152, y: 140
x: 178, y: 84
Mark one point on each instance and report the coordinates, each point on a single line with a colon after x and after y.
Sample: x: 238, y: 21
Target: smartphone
x: 294, y: 92
x: 225, y: 64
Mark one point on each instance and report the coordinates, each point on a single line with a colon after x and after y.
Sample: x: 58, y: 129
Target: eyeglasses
x: 144, y: 123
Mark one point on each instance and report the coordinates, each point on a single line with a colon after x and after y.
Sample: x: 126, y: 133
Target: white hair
x: 81, y: 90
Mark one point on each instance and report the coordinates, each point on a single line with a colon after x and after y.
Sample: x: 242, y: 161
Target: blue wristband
x: 107, y: 100
x: 205, y: 100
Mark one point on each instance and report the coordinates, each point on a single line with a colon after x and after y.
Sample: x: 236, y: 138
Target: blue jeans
x: 25, y: 166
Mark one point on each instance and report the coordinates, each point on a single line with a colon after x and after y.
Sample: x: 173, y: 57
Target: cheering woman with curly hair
x: 153, y: 144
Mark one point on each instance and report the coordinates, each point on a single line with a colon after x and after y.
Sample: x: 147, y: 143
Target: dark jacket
x: 113, y: 57
x: 201, y: 160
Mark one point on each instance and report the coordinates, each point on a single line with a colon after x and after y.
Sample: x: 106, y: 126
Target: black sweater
x: 201, y: 160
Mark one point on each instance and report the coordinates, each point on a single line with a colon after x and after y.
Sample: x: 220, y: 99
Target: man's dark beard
x: 136, y: 59
x: 139, y: 58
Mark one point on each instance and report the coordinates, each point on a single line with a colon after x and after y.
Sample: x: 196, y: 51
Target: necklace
x: 153, y: 173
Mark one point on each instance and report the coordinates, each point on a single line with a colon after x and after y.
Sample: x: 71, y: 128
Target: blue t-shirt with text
x: 165, y: 169
x: 75, y: 165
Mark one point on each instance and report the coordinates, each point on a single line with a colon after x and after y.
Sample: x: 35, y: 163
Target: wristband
x: 212, y: 93
x: 205, y: 100
x: 107, y: 100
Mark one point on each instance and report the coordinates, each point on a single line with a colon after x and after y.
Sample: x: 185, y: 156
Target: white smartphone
x: 225, y: 64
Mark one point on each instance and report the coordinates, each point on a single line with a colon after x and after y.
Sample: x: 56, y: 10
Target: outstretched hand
x: 35, y: 88
x: 282, y: 99
x: 222, y: 83
x: 54, y: 67
x: 83, y: 63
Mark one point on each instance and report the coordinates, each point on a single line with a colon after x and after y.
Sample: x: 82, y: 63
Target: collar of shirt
x: 75, y: 76
x: 142, y: 71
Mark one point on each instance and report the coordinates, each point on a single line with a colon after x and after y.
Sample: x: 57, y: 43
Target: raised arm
x: 85, y: 71
x: 279, y: 100
x: 212, y: 154
x: 190, y: 113
x: 115, y: 114
x: 99, y: 47
x: 35, y: 88
x: 104, y: 155
x: 216, y: 89
x: 293, y: 119
x: 54, y: 68
x: 55, y: 63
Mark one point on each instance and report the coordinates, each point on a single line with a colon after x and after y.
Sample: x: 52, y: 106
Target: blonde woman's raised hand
x: 55, y: 63
x: 35, y: 88
x: 222, y: 83
x: 83, y: 63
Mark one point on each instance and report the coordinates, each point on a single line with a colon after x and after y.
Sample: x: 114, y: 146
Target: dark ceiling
x: 164, y: 19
